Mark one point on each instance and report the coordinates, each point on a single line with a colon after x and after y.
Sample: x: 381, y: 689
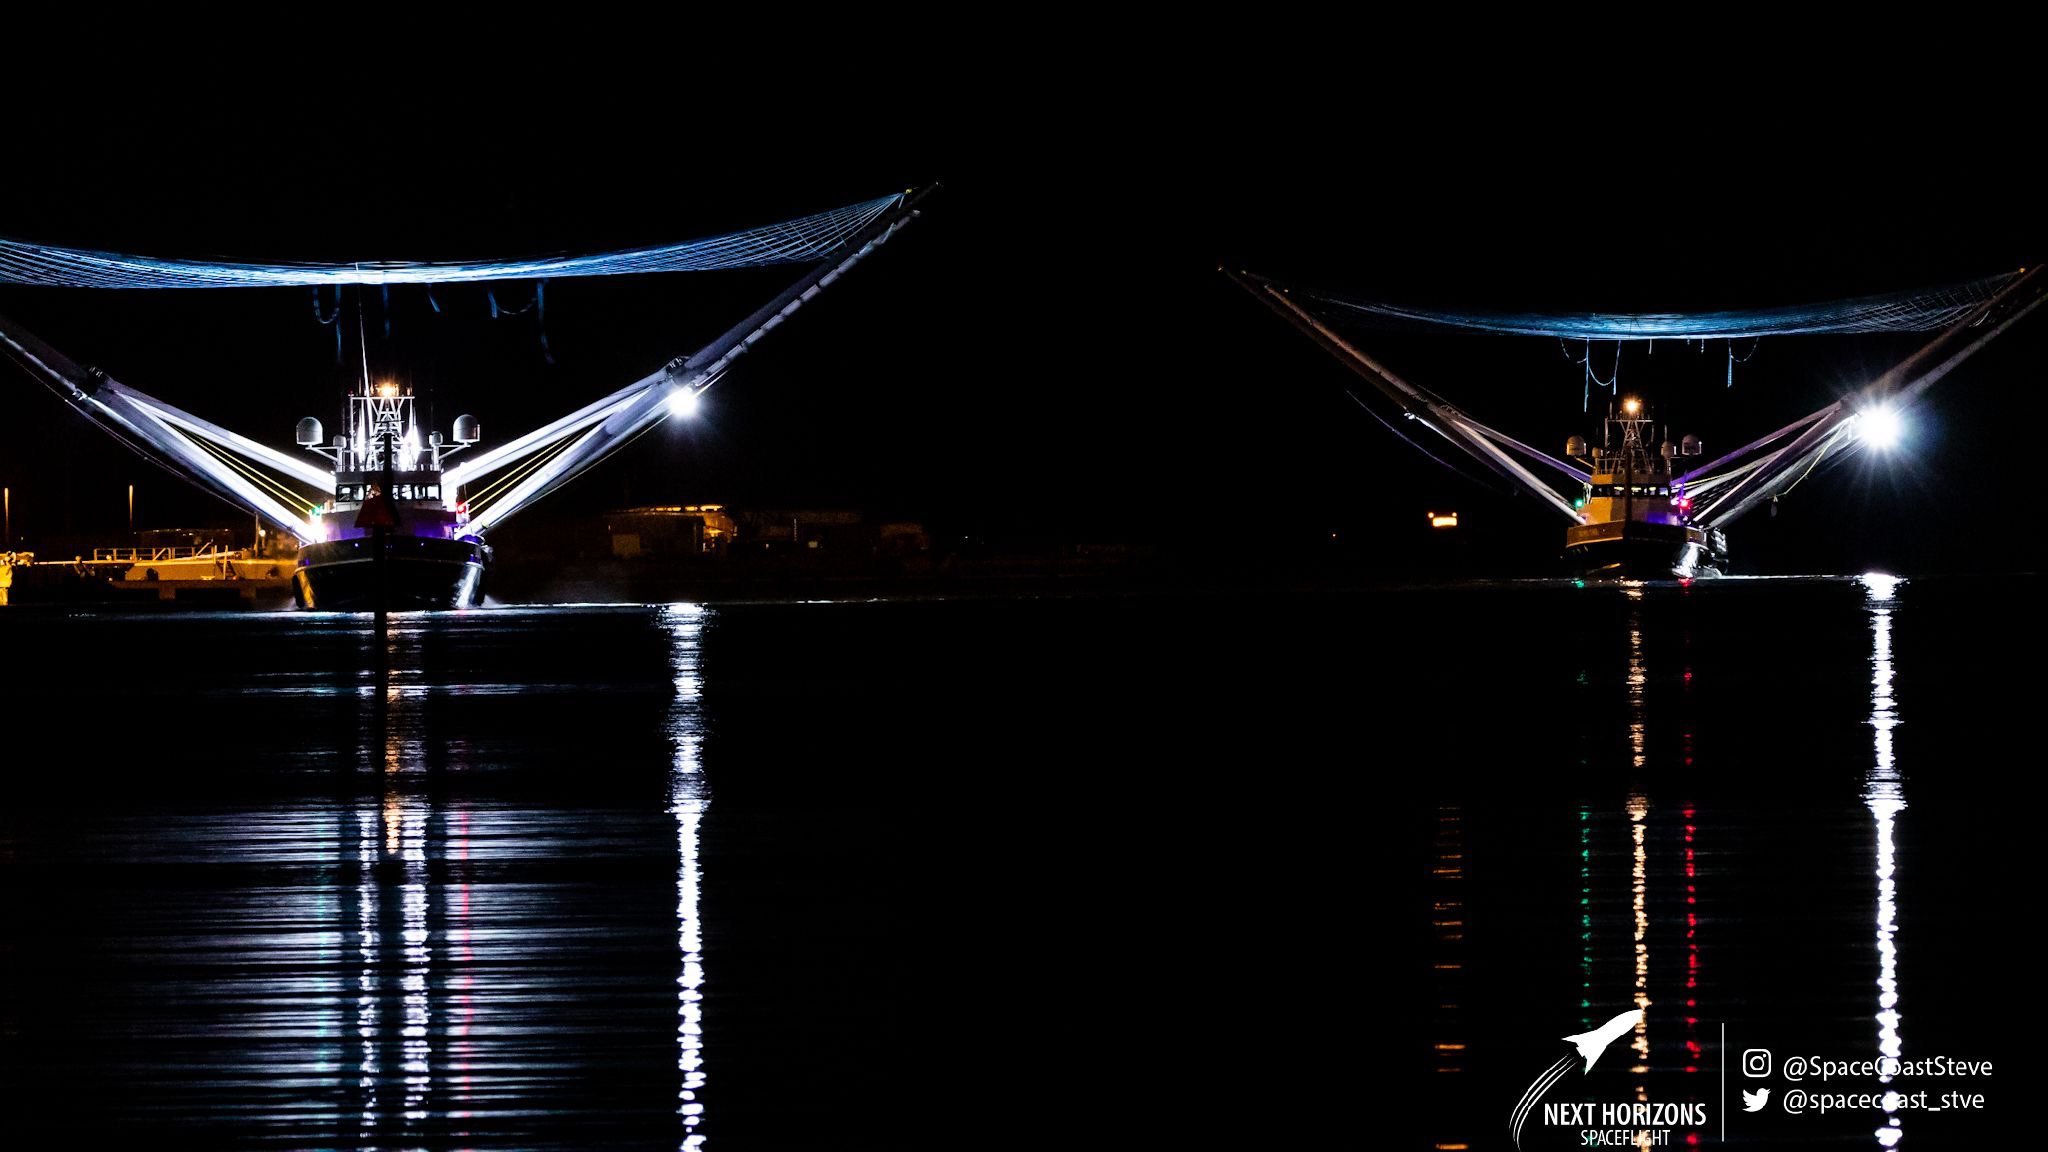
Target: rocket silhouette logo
x: 1586, y: 1046
x: 1591, y: 1044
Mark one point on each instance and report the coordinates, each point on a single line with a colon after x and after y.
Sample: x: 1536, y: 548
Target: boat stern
x: 414, y: 572
x: 1642, y: 550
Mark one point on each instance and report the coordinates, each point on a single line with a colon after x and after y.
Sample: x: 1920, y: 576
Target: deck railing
x: 151, y: 555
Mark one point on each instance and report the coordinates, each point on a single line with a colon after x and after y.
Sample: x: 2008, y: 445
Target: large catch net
x: 1920, y: 310
x: 798, y: 241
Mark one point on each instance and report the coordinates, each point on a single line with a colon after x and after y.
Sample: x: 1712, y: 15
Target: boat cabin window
x: 1617, y: 491
x: 357, y: 492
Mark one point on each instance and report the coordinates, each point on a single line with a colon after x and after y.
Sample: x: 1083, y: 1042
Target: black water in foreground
x: 1315, y: 872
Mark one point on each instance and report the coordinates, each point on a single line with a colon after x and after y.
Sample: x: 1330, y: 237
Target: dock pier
x: 201, y: 576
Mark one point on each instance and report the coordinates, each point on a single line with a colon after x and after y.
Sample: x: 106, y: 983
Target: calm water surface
x: 1318, y: 871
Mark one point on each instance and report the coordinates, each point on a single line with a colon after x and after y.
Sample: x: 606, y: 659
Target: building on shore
x: 672, y: 531
x: 691, y: 531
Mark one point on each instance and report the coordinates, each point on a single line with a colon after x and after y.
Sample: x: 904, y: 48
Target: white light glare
x: 1880, y: 427
x: 682, y: 402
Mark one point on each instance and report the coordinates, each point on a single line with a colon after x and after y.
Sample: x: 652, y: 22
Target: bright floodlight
x: 1880, y: 427
x: 1631, y: 405
x: 682, y: 402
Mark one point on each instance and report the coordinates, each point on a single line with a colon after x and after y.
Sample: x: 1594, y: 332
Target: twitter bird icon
x: 1755, y: 1101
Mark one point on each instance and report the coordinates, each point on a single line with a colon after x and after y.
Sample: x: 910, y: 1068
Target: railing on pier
x: 151, y: 555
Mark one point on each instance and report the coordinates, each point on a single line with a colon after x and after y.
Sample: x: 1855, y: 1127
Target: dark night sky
x: 1049, y: 351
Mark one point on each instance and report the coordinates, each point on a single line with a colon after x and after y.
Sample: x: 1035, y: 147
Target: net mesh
x: 796, y: 241
x: 1921, y: 310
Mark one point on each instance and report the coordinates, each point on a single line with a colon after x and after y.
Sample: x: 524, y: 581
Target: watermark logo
x: 1587, y: 1045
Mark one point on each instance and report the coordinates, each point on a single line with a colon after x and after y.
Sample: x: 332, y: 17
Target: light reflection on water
x: 1638, y: 809
x: 689, y: 800
x: 421, y: 973
x: 445, y: 914
x: 1650, y: 761
x: 1885, y: 795
x: 1447, y: 963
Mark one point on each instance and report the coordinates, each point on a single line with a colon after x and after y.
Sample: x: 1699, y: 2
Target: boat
x: 1635, y: 516
x: 391, y: 526
x: 393, y: 535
